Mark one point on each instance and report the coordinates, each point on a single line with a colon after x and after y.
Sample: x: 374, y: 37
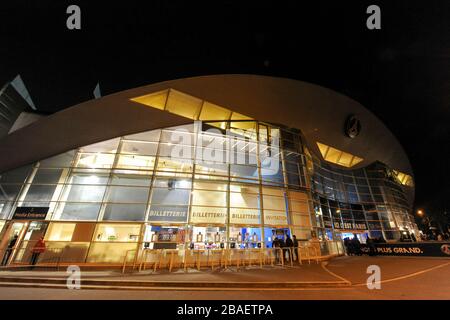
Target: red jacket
x: 39, y: 247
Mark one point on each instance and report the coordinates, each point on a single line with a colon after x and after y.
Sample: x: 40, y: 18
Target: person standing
x: 38, y: 248
x: 371, y: 244
x: 9, y: 250
x: 356, y: 245
x: 282, y: 245
x: 295, y: 249
x: 289, y: 247
x: 276, y: 245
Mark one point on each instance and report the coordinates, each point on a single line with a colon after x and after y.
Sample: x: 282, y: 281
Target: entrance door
x: 11, y: 239
x: 34, y: 231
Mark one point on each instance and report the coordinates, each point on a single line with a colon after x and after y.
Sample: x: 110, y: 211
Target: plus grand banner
x: 418, y: 249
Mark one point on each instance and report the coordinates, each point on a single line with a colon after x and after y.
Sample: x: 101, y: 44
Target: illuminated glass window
x: 337, y: 156
x: 213, y: 112
x: 155, y: 100
x: 188, y: 106
x: 183, y: 105
x: 403, y: 178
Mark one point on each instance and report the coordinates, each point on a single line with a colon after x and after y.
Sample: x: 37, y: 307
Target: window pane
x: 124, y: 212
x: 77, y: 211
x: 5, y: 209
x: 183, y: 104
x: 60, y: 161
x: 130, y: 179
x: 83, y: 193
x: 244, y: 171
x: 39, y: 195
x: 50, y: 176
x: 155, y: 100
x: 170, y: 192
x: 145, y: 136
x: 136, y: 162
x: 18, y: 175
x: 60, y: 232
x: 214, y: 112
x: 108, y: 146
x: 174, y: 165
x: 9, y: 191
x: 95, y: 160
x: 139, y: 148
x: 127, y: 194
x: 244, y: 200
x: 209, y: 198
x: 117, y: 232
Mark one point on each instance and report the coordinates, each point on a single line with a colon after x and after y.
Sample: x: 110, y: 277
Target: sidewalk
x: 251, y: 277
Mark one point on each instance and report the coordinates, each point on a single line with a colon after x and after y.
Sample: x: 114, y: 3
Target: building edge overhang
x: 318, y: 112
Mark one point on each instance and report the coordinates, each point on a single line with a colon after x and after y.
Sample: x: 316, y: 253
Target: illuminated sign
x: 30, y: 213
x: 208, y: 215
x: 244, y: 216
x: 275, y: 218
x: 349, y: 225
x: 168, y: 214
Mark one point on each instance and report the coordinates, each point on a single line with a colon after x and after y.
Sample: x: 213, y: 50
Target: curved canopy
x: 318, y: 112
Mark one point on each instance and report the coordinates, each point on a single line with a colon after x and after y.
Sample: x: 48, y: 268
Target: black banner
x: 30, y: 213
x: 415, y: 249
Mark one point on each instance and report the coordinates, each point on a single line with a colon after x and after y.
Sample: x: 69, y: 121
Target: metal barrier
x: 170, y: 259
x: 21, y: 257
x: 125, y: 259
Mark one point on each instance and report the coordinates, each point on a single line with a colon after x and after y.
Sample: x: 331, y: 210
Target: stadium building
x: 211, y: 162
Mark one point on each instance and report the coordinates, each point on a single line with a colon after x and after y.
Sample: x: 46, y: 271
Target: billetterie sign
x: 168, y: 214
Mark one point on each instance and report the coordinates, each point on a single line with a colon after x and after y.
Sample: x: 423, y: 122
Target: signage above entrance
x: 30, y: 213
x: 349, y: 226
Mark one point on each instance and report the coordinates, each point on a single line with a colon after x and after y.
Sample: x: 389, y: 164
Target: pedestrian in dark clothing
x: 371, y: 245
x: 38, y: 248
x: 289, y: 246
x: 413, y: 237
x: 381, y: 240
x: 295, y: 249
x: 356, y: 246
x: 347, y: 246
x: 282, y: 245
x: 9, y: 250
x: 276, y: 245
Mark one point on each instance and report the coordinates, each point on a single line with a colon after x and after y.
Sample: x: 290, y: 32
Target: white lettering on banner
x: 208, y: 215
x: 350, y: 225
x: 160, y: 213
x: 244, y: 216
x: 275, y: 218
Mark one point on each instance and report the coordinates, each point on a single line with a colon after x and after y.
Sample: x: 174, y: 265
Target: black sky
x: 401, y: 72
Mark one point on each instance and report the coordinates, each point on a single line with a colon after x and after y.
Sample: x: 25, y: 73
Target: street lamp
x: 420, y: 213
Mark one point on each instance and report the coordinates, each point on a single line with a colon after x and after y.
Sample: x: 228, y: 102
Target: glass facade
x: 232, y: 183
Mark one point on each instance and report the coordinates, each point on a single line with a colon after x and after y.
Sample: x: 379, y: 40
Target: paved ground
x: 402, y: 278
x: 305, y: 272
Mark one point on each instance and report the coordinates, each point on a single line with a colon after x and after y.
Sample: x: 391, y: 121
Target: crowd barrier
x: 170, y: 259
x: 22, y: 257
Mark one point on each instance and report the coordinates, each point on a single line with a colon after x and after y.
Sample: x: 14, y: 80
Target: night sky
x: 401, y: 72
